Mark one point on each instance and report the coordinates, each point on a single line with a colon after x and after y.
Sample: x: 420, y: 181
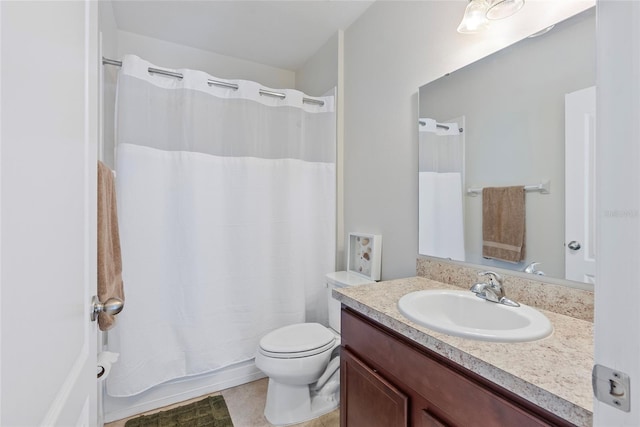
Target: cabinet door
x: 367, y: 399
x: 425, y: 414
x: 428, y: 419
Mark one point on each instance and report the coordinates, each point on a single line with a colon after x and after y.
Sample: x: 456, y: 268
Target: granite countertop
x: 553, y: 373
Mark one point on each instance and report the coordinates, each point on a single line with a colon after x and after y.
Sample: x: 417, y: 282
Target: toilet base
x: 293, y: 404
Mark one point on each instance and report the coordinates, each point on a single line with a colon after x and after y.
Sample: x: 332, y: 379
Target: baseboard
x: 117, y: 408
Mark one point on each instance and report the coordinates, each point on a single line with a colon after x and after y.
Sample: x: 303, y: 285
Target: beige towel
x: 503, y: 223
x: 109, y: 257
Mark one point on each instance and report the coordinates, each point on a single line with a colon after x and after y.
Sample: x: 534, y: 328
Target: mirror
x: 511, y: 109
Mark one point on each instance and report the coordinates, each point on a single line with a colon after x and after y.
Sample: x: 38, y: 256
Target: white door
x: 48, y: 120
x: 617, y: 290
x: 580, y: 190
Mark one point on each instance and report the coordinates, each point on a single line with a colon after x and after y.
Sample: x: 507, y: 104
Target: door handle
x: 574, y: 246
x: 111, y: 306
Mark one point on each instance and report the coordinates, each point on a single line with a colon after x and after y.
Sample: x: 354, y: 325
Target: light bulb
x: 499, y: 9
x: 475, y: 17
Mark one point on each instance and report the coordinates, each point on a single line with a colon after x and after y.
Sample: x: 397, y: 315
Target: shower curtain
x: 441, y: 174
x: 226, y: 203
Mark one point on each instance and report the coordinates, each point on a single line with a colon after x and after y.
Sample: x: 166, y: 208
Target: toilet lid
x: 298, y: 338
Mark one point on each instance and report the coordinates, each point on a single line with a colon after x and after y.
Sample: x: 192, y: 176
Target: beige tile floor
x: 246, y: 406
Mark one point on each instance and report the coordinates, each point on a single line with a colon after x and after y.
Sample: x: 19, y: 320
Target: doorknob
x: 111, y: 306
x: 574, y: 246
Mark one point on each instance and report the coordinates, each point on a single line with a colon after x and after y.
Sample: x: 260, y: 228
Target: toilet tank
x: 340, y: 279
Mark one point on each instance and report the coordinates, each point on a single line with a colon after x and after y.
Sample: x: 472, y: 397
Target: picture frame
x: 364, y: 255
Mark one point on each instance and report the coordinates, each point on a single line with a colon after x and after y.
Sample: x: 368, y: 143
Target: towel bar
x: 542, y: 188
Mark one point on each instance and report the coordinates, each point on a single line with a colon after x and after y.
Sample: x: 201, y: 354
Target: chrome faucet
x: 531, y: 268
x: 492, y: 290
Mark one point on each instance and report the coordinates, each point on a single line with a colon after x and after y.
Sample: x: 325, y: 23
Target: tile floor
x: 246, y: 406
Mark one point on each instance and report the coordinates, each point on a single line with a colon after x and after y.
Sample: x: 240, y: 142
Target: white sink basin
x: 462, y: 314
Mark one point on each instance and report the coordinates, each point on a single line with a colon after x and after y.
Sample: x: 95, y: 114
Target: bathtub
x: 178, y: 390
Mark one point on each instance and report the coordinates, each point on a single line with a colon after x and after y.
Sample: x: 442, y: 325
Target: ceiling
x: 282, y: 34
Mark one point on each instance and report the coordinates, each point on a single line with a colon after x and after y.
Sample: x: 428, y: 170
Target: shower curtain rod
x: 438, y: 125
x: 107, y: 61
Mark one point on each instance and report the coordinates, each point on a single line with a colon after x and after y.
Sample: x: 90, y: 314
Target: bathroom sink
x: 462, y: 314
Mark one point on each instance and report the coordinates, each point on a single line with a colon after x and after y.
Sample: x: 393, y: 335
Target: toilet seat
x: 299, y: 340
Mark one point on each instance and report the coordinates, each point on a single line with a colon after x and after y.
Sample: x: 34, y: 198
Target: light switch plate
x: 611, y: 387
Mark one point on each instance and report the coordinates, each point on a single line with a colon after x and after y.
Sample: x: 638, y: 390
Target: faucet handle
x: 495, y: 284
x: 494, y: 278
x: 478, y: 288
x: 532, y: 268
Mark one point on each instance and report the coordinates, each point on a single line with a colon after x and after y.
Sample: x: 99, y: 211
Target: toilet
x: 303, y: 364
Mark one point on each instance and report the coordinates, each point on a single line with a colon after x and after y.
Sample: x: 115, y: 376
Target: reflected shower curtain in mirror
x: 441, y: 172
x: 227, y: 218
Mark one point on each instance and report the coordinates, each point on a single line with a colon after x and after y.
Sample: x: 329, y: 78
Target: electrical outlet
x: 611, y: 387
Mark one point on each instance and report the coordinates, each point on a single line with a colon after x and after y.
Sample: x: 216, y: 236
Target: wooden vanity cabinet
x: 390, y: 381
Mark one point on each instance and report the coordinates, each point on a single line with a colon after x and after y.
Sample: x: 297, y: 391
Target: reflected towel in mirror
x: 503, y: 223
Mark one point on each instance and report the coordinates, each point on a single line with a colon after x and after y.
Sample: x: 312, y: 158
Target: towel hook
x: 112, y: 306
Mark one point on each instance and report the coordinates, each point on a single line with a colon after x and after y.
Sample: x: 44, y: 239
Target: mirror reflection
x: 502, y: 122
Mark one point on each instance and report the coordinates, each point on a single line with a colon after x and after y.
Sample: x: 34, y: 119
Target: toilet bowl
x: 293, y: 357
x: 303, y: 364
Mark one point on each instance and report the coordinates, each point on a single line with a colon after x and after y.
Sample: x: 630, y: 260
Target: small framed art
x: 365, y: 254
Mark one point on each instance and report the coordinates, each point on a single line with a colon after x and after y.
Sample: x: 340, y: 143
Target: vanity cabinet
x: 390, y: 381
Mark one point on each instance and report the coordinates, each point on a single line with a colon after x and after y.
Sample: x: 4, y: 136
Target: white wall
x: 388, y: 56
x: 109, y: 47
x: 108, y: 29
x: 320, y: 72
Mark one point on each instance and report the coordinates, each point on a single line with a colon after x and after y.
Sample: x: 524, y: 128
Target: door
x: 48, y: 117
x: 580, y: 169
x: 617, y: 290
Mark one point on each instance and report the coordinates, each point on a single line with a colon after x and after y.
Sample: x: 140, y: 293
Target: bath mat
x: 209, y: 412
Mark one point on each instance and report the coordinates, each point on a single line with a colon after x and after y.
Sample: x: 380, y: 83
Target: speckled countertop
x: 554, y: 372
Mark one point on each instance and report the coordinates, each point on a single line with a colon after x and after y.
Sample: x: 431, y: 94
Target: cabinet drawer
x: 465, y: 398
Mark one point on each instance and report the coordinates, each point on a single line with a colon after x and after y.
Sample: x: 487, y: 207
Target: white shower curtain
x: 226, y: 204
x: 441, y: 177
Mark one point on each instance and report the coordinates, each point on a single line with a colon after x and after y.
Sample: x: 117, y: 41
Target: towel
x: 109, y: 258
x: 503, y: 223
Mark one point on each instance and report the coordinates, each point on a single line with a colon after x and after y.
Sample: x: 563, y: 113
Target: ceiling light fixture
x: 500, y: 9
x: 475, y: 17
